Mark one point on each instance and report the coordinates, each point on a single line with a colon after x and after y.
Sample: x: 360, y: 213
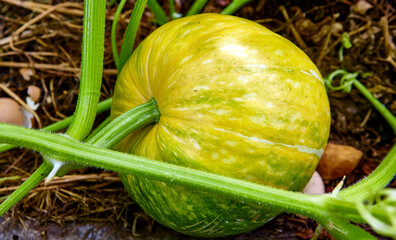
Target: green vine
x: 130, y: 34
x: 321, y: 208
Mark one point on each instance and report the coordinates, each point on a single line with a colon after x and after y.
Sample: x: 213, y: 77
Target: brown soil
x: 91, y: 203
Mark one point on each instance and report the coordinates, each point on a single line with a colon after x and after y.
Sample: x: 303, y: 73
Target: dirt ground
x: 92, y: 204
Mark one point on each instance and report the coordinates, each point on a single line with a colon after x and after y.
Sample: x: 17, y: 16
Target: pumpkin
x: 235, y: 99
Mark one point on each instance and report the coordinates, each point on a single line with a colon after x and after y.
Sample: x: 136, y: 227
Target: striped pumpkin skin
x: 235, y: 99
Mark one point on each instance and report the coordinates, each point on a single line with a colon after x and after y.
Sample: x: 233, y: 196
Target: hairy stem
x: 76, y: 152
x: 91, y: 69
x: 377, y: 180
x: 107, y: 137
x: 26, y: 187
x: 120, y: 127
x: 62, y: 124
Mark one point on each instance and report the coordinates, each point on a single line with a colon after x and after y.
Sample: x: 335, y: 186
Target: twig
x: 33, y: 54
x: 59, y: 67
x: 69, y: 58
x: 325, y: 48
x: 25, y: 34
x: 295, y: 33
x: 49, y: 115
x: 387, y: 45
x: 54, y: 100
x: 15, y: 162
x: 40, y: 6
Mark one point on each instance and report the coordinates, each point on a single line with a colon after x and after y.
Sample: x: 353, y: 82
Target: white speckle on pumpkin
x: 207, y: 61
x: 177, y: 139
x: 185, y: 33
x: 197, y: 146
x: 181, y: 109
x: 197, y: 88
x: 250, y: 96
x: 243, y: 79
x: 305, y: 149
x: 229, y: 160
x: 221, y: 112
x: 230, y: 143
x: 215, y: 155
x: 261, y: 66
x: 238, y: 99
x: 313, y: 73
x: 279, y: 52
x: 249, y: 150
x: 262, y: 163
x: 235, y: 50
x: 186, y: 59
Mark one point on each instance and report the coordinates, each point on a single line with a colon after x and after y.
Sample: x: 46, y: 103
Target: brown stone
x: 338, y: 160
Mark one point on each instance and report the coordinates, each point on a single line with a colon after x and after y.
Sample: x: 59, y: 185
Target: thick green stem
x: 120, y: 127
x: 107, y: 137
x: 91, y: 79
x: 76, y: 152
x: 91, y: 69
x: 377, y: 180
x: 26, y: 187
x: 55, y: 127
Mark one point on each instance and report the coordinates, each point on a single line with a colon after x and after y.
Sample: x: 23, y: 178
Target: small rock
x: 10, y: 112
x: 361, y: 7
x: 34, y: 92
x: 26, y: 73
x: 338, y: 160
x: 315, y: 185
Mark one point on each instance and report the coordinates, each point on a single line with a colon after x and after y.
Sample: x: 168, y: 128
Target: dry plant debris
x: 40, y: 45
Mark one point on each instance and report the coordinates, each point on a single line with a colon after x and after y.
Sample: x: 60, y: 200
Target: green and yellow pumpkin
x: 235, y: 99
